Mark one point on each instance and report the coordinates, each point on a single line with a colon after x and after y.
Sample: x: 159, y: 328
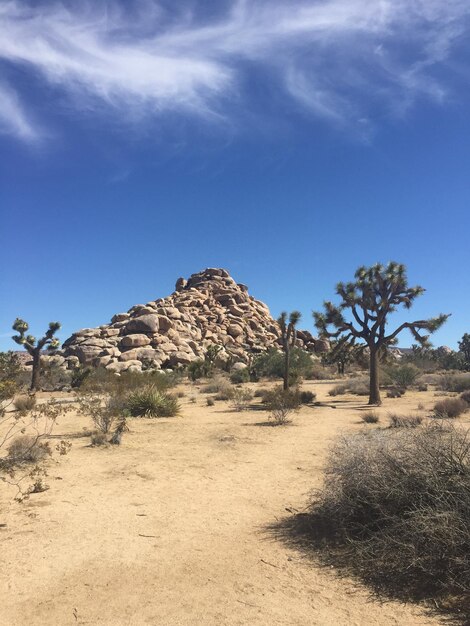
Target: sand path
x: 170, y: 528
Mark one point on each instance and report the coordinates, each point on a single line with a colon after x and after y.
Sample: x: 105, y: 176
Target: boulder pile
x: 206, y: 309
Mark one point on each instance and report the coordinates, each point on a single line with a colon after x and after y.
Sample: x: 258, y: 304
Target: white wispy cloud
x: 333, y: 58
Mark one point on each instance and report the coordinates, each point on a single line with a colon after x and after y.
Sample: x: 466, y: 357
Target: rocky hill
x: 208, y: 308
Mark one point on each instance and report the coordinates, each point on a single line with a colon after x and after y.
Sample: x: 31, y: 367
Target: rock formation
x: 208, y: 308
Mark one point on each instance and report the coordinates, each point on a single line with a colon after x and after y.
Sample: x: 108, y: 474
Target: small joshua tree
x: 288, y: 336
x: 464, y: 349
x: 34, y: 347
x: 376, y: 292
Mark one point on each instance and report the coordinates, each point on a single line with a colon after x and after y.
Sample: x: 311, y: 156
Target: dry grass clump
x: 307, y: 397
x: 24, y: 403
x: 370, y: 417
x: 395, y: 510
x: 356, y: 386
x: 210, y: 402
x: 404, y: 421
x: 450, y: 408
x: 27, y: 449
x: 395, y: 392
x: 150, y: 402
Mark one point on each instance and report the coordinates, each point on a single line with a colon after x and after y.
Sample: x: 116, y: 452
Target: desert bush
x: 241, y: 399
x: 307, y: 397
x: 404, y: 421
x: 422, y: 387
x: 103, y: 410
x: 240, y: 376
x: 216, y: 385
x: 370, y: 417
x: 54, y: 377
x: 98, y: 438
x: 210, y: 401
x: 281, y: 404
x: 150, y: 402
x: 450, y: 408
x: 357, y: 386
x: 395, y: 392
x: 270, y: 364
x: 403, y: 376
x: 198, y: 369
x: 320, y: 372
x: 453, y: 382
x: 24, y: 403
x: 395, y: 510
x: 10, y: 366
x: 79, y: 375
x: 27, y: 449
x: 465, y: 396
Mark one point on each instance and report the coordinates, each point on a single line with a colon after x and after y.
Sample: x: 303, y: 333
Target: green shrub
x: 240, y: 376
x: 281, y: 404
x: 79, y: 375
x: 198, y: 369
x: 270, y: 364
x: 450, y: 408
x: 403, y: 376
x: 10, y: 366
x: 150, y: 402
x: 404, y: 421
x: 395, y: 511
x: 371, y: 417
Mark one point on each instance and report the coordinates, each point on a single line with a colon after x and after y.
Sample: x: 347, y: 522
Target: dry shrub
x: 450, y: 408
x: 241, y: 399
x: 453, y: 382
x: 24, y: 403
x: 404, y: 421
x: 27, y: 449
x: 395, y: 510
x: 395, y: 393
x: 98, y: 438
x: 371, y: 417
x: 307, y: 397
x: 220, y: 386
x: 210, y: 401
x: 103, y: 411
x: 261, y: 393
x: 357, y: 386
x: 465, y: 396
x: 281, y: 404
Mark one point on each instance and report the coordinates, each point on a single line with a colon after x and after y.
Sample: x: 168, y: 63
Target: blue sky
x: 287, y: 142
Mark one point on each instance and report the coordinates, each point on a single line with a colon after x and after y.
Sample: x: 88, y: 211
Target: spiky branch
x: 35, y: 346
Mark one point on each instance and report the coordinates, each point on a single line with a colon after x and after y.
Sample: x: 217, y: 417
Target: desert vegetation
x: 395, y: 476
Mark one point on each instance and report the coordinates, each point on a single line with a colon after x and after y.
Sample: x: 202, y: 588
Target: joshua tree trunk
x: 374, y: 393
x: 286, y: 365
x: 36, y: 370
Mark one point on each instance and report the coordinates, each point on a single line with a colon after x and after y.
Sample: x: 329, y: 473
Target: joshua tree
x: 34, y: 347
x: 341, y: 353
x: 464, y: 348
x: 288, y: 336
x: 376, y: 292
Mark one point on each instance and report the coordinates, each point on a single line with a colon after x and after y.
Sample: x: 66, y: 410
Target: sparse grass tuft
x: 404, y: 421
x: 370, y: 417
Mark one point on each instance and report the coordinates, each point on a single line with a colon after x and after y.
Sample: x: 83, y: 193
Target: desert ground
x: 172, y: 527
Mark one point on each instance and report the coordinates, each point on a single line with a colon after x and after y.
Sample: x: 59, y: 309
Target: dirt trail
x: 170, y: 528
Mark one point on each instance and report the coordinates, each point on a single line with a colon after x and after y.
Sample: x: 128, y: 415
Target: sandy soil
x: 171, y: 527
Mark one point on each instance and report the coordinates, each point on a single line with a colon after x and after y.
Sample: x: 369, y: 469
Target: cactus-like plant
x: 35, y: 346
x: 288, y: 337
x: 376, y: 292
